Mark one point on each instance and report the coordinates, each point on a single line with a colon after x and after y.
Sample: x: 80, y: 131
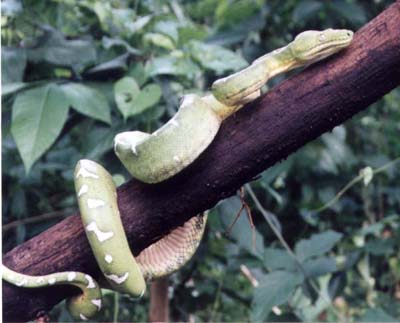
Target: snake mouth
x: 326, y: 49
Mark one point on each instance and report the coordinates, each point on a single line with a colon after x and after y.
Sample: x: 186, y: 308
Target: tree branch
x: 261, y: 134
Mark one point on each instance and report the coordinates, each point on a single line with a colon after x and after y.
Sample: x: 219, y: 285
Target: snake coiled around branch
x: 152, y: 158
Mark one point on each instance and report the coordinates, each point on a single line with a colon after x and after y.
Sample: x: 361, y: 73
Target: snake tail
x: 83, y: 306
x: 122, y: 272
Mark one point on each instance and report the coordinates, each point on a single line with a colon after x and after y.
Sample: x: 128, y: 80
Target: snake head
x: 311, y: 46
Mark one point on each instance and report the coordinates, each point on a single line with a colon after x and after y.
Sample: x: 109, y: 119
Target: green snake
x: 152, y: 158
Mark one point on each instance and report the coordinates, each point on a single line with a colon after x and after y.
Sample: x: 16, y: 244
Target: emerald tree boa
x: 155, y: 157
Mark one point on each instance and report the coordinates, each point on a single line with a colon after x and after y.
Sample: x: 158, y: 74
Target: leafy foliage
x: 75, y: 73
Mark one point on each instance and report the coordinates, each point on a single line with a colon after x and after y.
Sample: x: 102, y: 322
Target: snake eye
x: 321, y: 37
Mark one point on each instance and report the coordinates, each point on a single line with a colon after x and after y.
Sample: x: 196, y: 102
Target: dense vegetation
x: 75, y: 73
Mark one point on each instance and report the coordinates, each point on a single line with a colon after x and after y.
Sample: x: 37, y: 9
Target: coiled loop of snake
x: 155, y: 157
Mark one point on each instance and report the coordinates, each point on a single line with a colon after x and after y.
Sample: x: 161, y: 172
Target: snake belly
x: 152, y: 158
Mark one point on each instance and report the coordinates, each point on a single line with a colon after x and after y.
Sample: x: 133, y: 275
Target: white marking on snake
x: 101, y: 236
x: 108, y: 259
x: 71, y: 276
x: 83, y: 190
x: 97, y: 302
x: 40, y: 280
x: 174, y: 123
x: 91, y: 283
x: 52, y: 281
x: 177, y: 159
x: 117, y: 279
x: 22, y: 282
x: 83, y: 317
x: 94, y: 203
x: 86, y: 173
x: 133, y: 148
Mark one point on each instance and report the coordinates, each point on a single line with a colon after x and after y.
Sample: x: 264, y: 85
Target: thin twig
x: 216, y: 300
x: 354, y: 181
x: 246, y: 207
x: 265, y: 213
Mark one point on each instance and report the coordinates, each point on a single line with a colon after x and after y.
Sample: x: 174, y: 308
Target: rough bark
x: 159, y: 302
x: 261, y: 134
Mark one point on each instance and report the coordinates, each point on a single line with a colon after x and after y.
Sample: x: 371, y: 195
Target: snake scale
x: 152, y: 158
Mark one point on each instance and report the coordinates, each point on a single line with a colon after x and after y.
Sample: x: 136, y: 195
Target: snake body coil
x: 155, y: 157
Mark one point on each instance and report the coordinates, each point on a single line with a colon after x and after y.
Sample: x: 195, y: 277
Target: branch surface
x: 259, y: 135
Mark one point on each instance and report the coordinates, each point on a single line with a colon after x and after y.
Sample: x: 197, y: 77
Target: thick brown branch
x: 261, y: 134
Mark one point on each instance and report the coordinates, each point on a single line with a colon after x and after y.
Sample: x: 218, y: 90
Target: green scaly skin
x: 155, y: 157
x: 152, y: 158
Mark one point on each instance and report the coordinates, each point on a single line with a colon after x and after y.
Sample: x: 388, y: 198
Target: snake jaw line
x: 312, y: 46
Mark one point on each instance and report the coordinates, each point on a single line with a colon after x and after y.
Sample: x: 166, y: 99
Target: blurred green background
x: 75, y: 73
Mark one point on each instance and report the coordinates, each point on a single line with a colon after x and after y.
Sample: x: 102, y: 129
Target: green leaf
x: 231, y: 13
x: 319, y: 266
x: 87, y: 101
x: 380, y: 246
x: 306, y: 10
x: 13, y: 63
x: 115, y: 65
x: 376, y: 315
x: 54, y: 48
x: 168, y: 28
x: 11, y: 88
x: 38, y: 116
x: 11, y: 7
x: 189, y: 33
x: 148, y: 96
x: 317, y: 245
x: 138, y: 24
x: 275, y: 258
x: 138, y: 72
x: 216, y: 58
x: 306, y: 307
x: 125, y: 91
x: 171, y: 65
x: 159, y: 40
x: 337, y: 153
x: 239, y: 32
x: 353, y: 12
x: 118, y: 179
x: 275, y: 289
x: 99, y: 140
x: 116, y: 42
